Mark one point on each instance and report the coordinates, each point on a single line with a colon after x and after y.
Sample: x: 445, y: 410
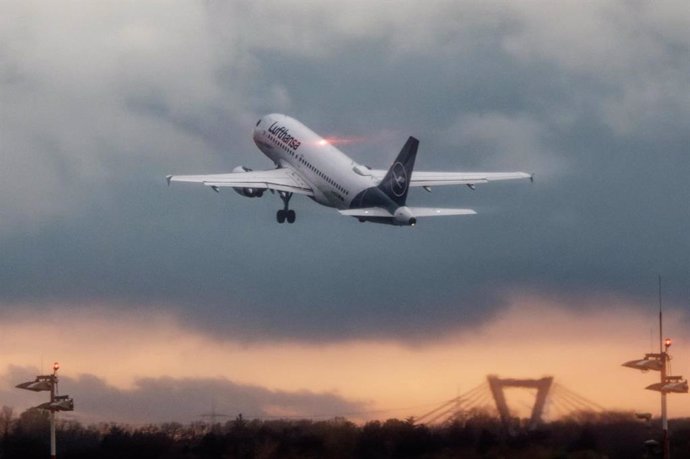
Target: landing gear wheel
x: 285, y: 213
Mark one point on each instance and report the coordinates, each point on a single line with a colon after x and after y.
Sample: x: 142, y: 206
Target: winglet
x: 531, y: 177
x: 168, y: 178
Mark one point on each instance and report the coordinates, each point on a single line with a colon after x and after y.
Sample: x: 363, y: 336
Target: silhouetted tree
x: 473, y: 436
x: 487, y: 440
x: 6, y: 420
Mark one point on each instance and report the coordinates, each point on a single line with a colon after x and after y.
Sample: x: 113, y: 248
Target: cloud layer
x: 102, y: 100
x: 167, y: 399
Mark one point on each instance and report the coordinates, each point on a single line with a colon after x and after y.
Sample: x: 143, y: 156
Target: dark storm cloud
x: 602, y: 126
x: 185, y: 400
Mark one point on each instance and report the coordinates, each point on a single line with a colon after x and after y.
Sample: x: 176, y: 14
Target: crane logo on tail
x: 399, y: 182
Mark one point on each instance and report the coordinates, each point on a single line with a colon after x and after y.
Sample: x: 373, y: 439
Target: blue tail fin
x: 397, y: 181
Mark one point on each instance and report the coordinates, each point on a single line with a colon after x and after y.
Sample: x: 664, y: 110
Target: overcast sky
x: 100, y: 100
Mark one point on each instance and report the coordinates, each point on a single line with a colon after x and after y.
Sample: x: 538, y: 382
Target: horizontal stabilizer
x: 436, y: 212
x: 367, y: 212
x: 380, y: 212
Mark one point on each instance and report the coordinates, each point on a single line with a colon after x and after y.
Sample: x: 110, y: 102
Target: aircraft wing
x: 283, y: 179
x: 429, y: 179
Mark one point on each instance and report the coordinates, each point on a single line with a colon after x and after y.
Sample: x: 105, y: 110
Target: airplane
x: 309, y: 164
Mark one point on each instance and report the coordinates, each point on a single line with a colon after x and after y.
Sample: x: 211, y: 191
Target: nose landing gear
x: 285, y: 213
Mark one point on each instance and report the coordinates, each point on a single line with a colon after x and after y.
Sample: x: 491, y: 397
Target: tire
x: 291, y: 216
x: 280, y: 216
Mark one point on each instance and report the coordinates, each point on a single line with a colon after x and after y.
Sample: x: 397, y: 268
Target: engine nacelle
x: 247, y: 192
x: 403, y: 217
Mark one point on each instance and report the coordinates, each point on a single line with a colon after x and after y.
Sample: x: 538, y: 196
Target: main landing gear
x: 285, y: 213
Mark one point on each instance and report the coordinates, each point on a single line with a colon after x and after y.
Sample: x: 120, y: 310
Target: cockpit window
x: 257, y: 123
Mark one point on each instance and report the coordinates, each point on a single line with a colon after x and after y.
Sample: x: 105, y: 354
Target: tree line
x: 477, y: 435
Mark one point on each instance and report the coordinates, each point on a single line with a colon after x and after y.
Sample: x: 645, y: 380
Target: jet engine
x: 247, y: 192
x: 403, y: 217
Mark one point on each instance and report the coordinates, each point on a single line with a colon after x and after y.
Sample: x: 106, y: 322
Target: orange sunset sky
x: 534, y: 337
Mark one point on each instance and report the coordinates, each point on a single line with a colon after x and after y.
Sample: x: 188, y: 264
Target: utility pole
x: 664, y: 407
x: 213, y: 416
x: 665, y: 358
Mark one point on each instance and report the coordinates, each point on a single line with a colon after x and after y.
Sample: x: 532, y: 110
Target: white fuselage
x: 335, y: 178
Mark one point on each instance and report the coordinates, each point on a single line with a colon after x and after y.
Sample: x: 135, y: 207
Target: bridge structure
x: 490, y: 396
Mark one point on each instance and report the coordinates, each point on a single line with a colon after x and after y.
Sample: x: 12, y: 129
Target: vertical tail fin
x: 397, y: 181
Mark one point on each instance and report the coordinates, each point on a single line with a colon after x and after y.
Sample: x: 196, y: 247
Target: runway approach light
x: 678, y: 387
x: 60, y: 403
x: 49, y: 383
x: 667, y: 384
x: 645, y: 364
x: 40, y: 384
